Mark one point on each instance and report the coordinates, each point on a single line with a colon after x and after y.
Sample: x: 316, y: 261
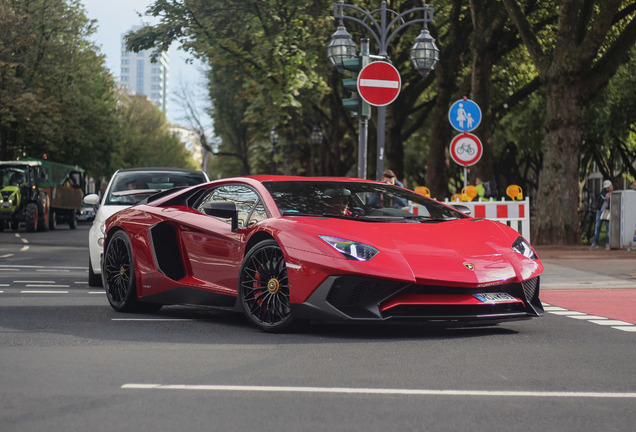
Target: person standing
x: 603, y: 204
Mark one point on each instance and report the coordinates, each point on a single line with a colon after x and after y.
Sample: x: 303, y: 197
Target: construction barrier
x: 515, y: 214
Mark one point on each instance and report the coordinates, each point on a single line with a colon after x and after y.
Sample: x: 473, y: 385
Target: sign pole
x: 363, y: 126
x: 379, y: 169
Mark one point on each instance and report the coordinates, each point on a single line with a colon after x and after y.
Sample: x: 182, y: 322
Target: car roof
x: 274, y: 178
x: 160, y: 169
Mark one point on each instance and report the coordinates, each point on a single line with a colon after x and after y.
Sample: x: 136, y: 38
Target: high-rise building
x: 141, y: 76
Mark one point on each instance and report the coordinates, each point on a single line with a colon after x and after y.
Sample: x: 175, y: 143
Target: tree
x: 56, y: 95
x: 146, y: 139
x: 590, y: 42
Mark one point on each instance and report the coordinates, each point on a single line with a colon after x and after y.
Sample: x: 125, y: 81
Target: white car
x: 126, y: 188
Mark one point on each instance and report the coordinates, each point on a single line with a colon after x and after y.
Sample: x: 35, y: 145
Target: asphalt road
x: 71, y: 363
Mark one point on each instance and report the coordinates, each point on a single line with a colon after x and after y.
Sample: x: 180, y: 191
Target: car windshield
x: 129, y: 188
x: 11, y: 176
x: 358, y: 200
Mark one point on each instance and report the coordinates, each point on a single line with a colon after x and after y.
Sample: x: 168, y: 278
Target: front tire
x: 264, y: 288
x: 31, y: 217
x: 118, y: 277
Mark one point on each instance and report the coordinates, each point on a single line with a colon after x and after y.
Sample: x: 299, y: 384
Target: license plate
x: 495, y: 297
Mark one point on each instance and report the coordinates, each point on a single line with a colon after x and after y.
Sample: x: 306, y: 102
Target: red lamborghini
x: 289, y: 249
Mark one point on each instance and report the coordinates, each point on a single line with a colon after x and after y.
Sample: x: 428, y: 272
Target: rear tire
x: 43, y: 214
x: 53, y: 220
x: 72, y: 219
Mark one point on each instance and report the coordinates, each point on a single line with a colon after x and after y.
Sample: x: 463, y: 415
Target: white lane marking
x: 53, y: 270
x: 33, y: 281
x: 6, y: 256
x: 42, y: 292
x: 565, y: 312
x: 13, y: 267
x: 24, y: 248
x: 53, y: 285
x: 1, y: 292
x: 615, y: 324
x: 151, y: 319
x: 627, y: 328
x: 97, y: 292
x: 609, y: 322
x: 24, y: 240
x: 380, y: 391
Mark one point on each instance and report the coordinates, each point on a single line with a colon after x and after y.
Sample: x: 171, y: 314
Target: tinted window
x: 247, y: 203
x: 361, y: 200
x: 129, y: 188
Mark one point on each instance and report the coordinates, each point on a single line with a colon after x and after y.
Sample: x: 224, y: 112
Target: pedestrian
x: 381, y: 200
x: 603, y: 203
x: 481, y: 189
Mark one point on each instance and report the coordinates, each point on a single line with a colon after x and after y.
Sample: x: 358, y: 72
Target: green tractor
x: 39, y: 193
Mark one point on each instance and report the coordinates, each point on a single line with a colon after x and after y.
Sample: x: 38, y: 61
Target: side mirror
x: 91, y: 199
x: 462, y: 208
x: 223, y: 209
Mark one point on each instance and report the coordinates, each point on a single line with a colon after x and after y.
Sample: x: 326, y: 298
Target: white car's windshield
x: 131, y: 187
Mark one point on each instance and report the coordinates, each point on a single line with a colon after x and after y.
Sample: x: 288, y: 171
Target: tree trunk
x: 556, y: 219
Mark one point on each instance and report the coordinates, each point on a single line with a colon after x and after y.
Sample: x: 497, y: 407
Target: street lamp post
x: 316, y: 139
x: 424, y: 54
x: 273, y: 139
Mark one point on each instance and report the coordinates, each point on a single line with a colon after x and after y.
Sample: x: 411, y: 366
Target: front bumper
x: 366, y: 299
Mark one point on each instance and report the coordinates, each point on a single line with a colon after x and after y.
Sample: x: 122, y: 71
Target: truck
x: 39, y: 193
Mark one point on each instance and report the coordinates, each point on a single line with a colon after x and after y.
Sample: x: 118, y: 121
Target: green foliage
x: 146, y: 139
x: 56, y: 96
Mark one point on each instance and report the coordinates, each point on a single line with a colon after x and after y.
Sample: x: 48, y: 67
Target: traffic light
x: 355, y: 103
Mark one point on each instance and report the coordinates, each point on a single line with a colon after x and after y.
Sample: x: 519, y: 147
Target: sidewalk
x: 578, y: 267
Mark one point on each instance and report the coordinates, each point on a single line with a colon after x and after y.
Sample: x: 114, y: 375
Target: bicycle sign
x: 466, y: 149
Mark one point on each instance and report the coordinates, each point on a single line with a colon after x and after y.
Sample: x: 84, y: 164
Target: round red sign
x: 466, y: 149
x: 379, y: 83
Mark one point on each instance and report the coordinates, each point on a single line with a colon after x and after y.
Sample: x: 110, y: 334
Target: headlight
x: 351, y: 249
x: 521, y: 246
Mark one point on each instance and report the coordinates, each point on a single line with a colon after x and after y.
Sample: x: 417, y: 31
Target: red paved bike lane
x: 616, y: 303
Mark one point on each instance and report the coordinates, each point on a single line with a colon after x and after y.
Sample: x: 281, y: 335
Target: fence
x: 515, y: 214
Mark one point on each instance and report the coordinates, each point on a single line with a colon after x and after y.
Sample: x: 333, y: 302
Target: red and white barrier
x: 515, y: 214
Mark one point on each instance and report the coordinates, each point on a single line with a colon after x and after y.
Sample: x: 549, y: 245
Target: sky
x: 115, y: 17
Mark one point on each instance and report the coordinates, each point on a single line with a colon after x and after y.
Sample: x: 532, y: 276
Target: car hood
x: 106, y: 211
x: 473, y: 252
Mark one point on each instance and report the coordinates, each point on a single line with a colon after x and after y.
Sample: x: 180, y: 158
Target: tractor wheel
x: 32, y: 217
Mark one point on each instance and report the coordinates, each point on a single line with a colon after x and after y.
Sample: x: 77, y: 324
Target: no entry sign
x: 379, y: 83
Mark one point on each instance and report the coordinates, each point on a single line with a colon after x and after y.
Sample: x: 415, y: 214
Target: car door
x: 213, y: 251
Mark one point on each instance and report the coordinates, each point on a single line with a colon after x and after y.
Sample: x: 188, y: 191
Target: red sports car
x: 285, y: 250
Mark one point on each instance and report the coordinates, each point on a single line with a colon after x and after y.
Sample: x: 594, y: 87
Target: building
x: 141, y: 76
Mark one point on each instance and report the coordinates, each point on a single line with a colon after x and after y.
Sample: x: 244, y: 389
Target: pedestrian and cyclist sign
x: 379, y: 83
x: 466, y: 149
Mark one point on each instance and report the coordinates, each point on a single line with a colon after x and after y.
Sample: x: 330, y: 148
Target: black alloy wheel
x: 264, y: 288
x: 118, y: 276
x: 119, y: 273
